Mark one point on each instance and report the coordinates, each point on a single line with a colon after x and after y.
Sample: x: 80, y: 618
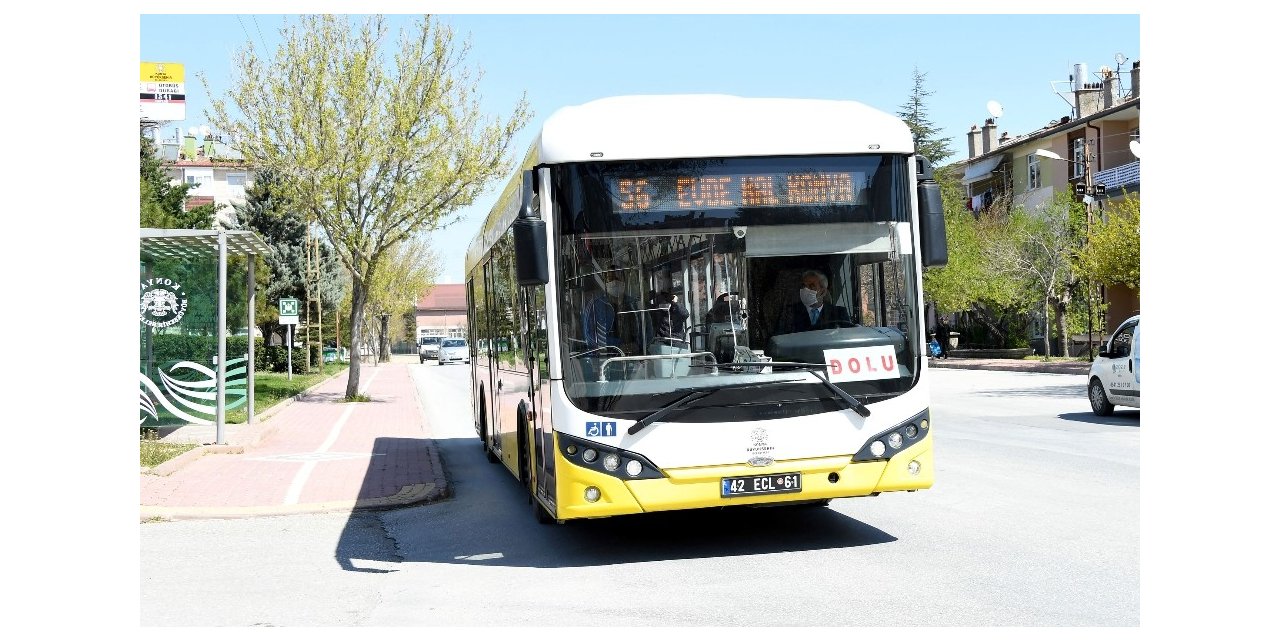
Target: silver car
x: 454, y: 350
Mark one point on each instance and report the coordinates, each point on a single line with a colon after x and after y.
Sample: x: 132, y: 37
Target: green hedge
x: 174, y: 348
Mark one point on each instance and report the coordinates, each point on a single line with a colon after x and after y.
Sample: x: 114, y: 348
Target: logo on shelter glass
x: 162, y: 303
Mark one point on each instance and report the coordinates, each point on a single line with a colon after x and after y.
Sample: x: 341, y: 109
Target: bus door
x: 511, y: 379
x: 534, y: 330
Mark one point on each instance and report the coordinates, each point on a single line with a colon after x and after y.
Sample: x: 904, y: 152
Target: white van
x: 1116, y: 374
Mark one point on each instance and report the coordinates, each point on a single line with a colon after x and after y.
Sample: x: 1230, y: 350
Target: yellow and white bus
x: 700, y: 301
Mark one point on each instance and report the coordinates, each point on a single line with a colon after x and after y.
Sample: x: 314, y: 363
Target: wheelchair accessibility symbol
x: 602, y: 429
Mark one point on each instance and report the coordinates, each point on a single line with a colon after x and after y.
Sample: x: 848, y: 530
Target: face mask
x: 613, y: 288
x: 808, y: 297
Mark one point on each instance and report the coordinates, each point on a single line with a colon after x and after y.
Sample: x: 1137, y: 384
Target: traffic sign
x: 288, y: 311
x: 1080, y: 189
x: 1099, y: 189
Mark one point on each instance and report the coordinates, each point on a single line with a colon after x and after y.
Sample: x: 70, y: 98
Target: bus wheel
x: 484, y: 433
x: 540, y: 513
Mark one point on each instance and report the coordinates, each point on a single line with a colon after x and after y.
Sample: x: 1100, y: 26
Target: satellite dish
x: 994, y: 109
x: 204, y: 129
x: 1135, y: 148
x: 1120, y: 59
x: 191, y: 131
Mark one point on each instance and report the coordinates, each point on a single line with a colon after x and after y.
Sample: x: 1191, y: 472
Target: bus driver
x: 812, y: 311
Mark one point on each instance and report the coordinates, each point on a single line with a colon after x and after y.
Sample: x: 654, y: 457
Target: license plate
x: 757, y: 485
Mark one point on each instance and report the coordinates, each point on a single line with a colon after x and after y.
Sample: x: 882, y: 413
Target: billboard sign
x: 162, y: 92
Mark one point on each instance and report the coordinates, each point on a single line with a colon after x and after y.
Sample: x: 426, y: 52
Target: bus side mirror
x: 530, y: 240
x: 933, y: 226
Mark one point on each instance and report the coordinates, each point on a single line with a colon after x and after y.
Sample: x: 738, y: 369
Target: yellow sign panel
x: 162, y: 72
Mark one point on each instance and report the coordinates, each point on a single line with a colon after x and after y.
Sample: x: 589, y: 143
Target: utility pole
x: 1088, y: 229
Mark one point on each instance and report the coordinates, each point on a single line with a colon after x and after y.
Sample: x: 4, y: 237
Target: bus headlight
x: 571, y: 449
x: 634, y: 468
x: 913, y: 467
x: 895, y: 440
x: 912, y: 431
x: 877, y: 448
x: 612, y: 462
x: 592, y: 494
x: 589, y: 455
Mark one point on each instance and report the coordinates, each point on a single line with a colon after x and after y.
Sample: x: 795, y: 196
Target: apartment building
x: 1087, y: 153
x: 203, y: 159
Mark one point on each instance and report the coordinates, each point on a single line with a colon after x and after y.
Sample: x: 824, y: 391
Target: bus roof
x: 695, y: 126
x: 715, y: 126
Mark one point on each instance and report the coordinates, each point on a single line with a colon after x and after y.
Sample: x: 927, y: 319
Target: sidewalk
x: 1075, y: 367
x: 317, y: 454
x: 311, y: 454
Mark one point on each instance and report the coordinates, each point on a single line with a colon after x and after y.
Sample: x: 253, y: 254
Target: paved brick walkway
x: 314, y: 454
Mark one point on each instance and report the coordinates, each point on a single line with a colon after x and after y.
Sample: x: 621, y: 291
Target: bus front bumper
x: 701, y: 487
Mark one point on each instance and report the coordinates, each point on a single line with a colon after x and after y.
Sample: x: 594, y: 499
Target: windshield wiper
x: 813, y: 368
x: 684, y: 400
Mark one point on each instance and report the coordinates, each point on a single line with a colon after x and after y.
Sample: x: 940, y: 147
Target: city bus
x: 630, y: 301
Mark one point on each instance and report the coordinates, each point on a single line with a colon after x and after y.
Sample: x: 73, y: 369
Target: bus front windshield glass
x: 678, y: 276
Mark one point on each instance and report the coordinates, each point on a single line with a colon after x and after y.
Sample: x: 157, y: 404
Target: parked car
x: 1116, y: 374
x: 428, y: 347
x: 454, y: 350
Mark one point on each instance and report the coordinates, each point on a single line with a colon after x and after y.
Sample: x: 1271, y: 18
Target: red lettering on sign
x: 889, y: 362
x: 835, y: 367
x: 854, y: 365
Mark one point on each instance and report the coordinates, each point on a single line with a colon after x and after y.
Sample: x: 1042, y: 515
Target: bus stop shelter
x: 194, y: 244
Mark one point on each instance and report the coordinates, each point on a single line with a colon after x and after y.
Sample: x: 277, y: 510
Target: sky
x: 867, y: 58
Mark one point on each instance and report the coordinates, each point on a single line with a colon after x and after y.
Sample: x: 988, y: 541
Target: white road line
x: 304, y: 474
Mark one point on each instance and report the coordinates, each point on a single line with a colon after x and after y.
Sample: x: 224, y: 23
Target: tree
x: 969, y: 283
x: 412, y: 268
x: 916, y: 114
x: 373, y: 150
x: 1112, y: 255
x: 1039, y: 251
x: 269, y: 213
x: 163, y: 205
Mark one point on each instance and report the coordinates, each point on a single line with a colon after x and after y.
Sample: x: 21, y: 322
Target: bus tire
x: 540, y: 513
x: 484, y: 431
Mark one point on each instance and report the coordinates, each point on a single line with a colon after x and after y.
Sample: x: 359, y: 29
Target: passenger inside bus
x: 608, y: 316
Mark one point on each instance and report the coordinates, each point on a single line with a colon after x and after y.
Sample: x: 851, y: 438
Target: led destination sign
x: 633, y: 194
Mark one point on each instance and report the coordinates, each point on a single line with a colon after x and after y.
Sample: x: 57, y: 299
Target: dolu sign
x: 861, y: 363
x: 163, y: 302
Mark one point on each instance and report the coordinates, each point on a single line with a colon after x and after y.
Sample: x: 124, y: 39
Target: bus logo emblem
x: 602, y: 429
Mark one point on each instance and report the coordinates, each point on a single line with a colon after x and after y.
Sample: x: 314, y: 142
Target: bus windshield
x: 680, y: 275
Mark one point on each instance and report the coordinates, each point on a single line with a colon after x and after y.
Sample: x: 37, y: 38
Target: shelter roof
x: 198, y: 243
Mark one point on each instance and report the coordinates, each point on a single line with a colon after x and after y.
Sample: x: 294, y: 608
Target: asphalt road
x: 1033, y: 521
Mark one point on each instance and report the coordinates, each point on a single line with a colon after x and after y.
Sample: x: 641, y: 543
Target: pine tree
x: 268, y: 212
x: 162, y: 205
x: 916, y: 114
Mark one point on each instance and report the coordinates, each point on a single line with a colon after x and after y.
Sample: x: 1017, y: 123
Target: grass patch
x: 154, y: 452
x: 359, y: 397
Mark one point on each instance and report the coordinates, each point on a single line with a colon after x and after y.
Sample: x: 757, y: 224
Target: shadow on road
x: 489, y: 520
x: 1122, y: 417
